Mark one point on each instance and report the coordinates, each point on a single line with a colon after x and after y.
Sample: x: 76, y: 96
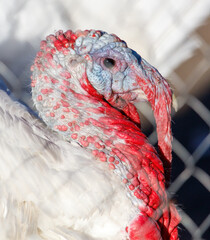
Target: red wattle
x: 144, y: 228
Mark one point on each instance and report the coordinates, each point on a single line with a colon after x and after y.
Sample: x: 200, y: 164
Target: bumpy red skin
x: 123, y: 142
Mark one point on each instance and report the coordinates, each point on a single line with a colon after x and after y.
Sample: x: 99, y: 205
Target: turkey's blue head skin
x: 111, y: 72
x: 102, y: 66
x: 114, y: 67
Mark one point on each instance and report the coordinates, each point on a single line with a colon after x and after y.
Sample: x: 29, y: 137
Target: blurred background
x: 174, y: 36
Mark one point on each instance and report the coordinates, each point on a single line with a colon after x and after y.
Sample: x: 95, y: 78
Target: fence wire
x: 195, y: 222
x: 190, y: 176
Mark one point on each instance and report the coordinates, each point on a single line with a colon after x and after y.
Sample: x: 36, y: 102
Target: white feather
x: 50, y: 189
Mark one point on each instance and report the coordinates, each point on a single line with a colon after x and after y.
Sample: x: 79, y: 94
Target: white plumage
x: 44, y: 177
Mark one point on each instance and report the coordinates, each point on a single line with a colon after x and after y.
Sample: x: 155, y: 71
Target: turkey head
x: 84, y: 85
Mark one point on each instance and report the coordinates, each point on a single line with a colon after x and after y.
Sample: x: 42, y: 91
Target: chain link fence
x: 194, y: 181
x: 191, y: 141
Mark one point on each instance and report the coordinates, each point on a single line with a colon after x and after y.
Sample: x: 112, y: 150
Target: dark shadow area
x: 192, y: 197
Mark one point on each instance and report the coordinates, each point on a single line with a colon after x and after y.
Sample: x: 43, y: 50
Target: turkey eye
x: 109, y: 63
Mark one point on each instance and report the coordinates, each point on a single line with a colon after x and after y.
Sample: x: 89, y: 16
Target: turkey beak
x: 156, y: 90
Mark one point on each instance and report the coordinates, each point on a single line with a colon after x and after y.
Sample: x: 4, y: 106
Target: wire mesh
x: 191, y: 177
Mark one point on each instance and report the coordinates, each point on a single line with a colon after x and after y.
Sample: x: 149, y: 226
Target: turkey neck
x: 108, y: 134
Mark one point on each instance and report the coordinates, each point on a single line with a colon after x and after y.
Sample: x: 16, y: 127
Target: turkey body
x: 50, y: 188
x: 84, y: 170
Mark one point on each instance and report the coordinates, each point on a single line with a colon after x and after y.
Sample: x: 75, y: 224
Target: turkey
x: 83, y: 169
